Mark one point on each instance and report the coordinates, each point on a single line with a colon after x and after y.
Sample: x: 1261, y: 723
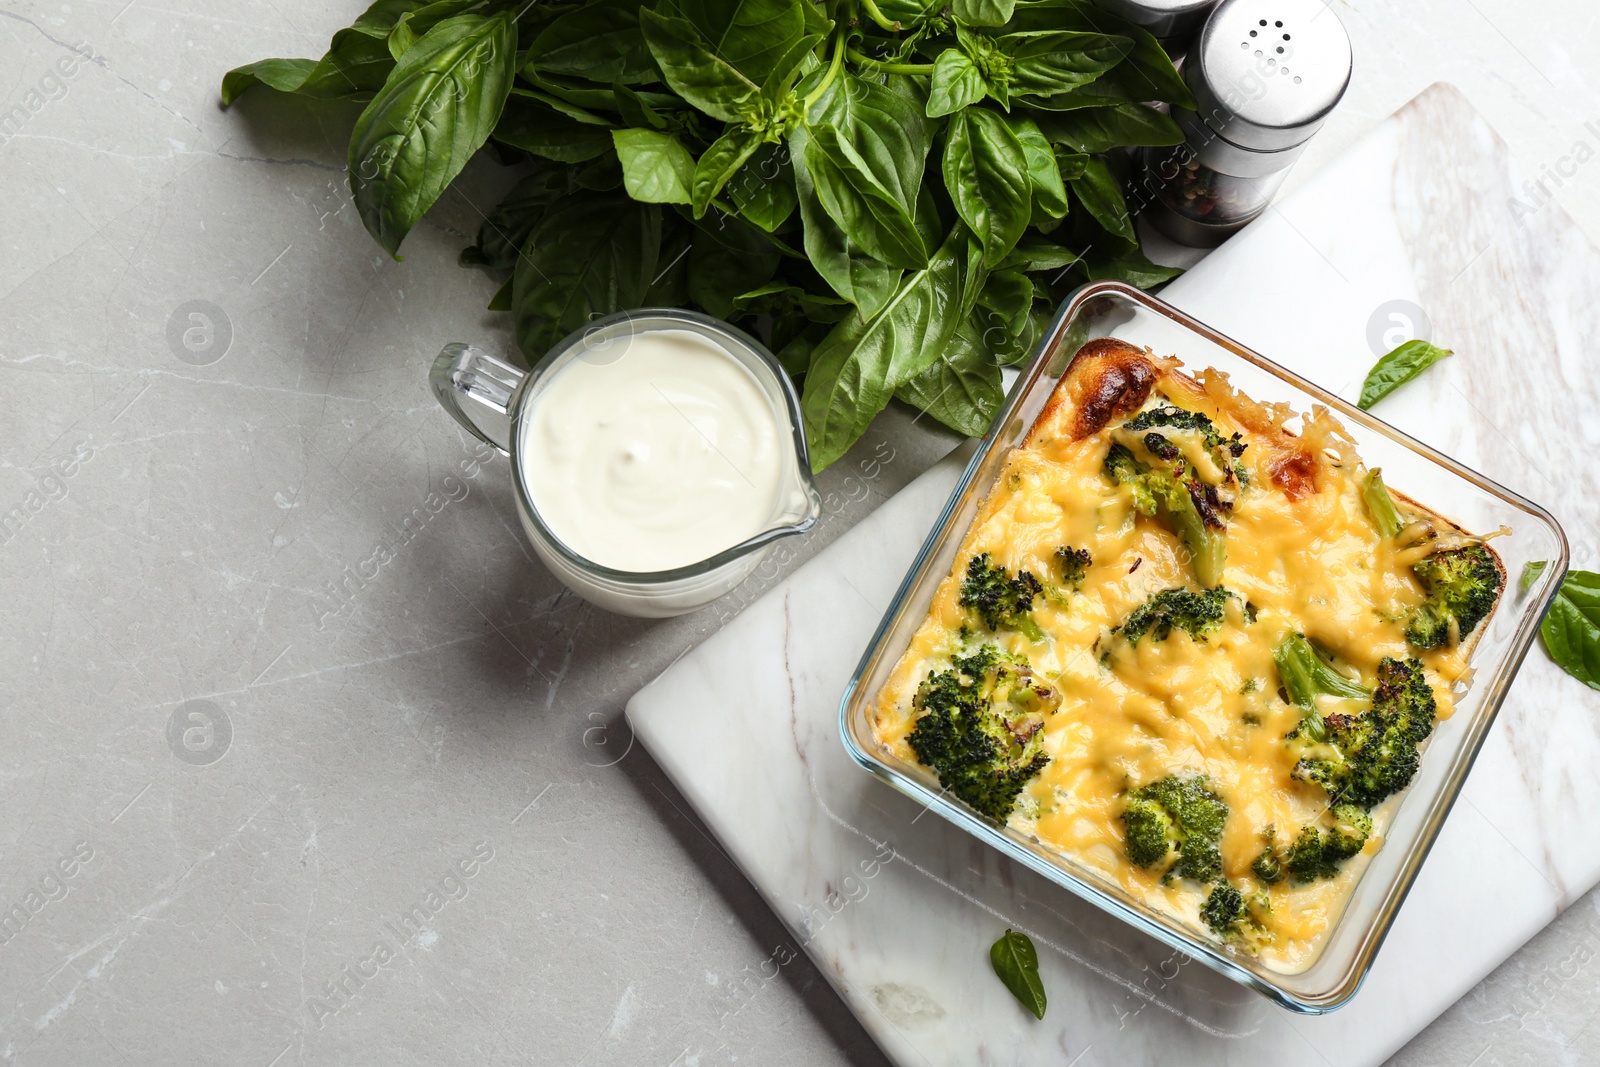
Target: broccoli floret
x: 1380, y: 505
x: 1224, y: 908
x: 1223, y: 450
x: 1463, y: 585
x: 1365, y: 759
x: 1000, y: 600
x: 981, y: 728
x: 1074, y: 565
x: 1177, y: 814
x: 1180, y: 500
x: 1268, y: 867
x: 1198, y: 613
x: 1304, y: 674
x: 1319, y: 853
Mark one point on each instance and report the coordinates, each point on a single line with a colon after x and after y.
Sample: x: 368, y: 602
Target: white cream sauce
x: 654, y: 451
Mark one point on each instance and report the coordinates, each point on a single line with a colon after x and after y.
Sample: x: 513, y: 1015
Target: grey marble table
x: 303, y: 758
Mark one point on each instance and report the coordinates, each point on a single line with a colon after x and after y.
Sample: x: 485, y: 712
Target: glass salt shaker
x: 1265, y: 74
x: 1172, y: 22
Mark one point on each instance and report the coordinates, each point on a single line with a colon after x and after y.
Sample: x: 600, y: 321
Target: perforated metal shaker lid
x: 1164, y: 18
x: 1267, y: 73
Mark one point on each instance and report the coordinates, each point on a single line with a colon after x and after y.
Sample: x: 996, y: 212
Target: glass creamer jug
x: 497, y: 402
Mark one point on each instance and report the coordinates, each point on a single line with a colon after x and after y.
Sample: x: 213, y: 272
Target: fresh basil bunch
x: 899, y: 193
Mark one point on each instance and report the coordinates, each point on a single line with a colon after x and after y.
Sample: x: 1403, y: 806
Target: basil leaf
x: 354, y: 67
x: 1397, y: 368
x: 656, y: 168
x: 1531, y: 572
x: 774, y: 298
x: 957, y: 82
x: 1146, y: 74
x: 753, y: 35
x: 1037, y: 254
x: 636, y: 110
x: 414, y: 25
x: 963, y: 389
x: 1071, y: 164
x: 858, y: 366
x: 859, y: 202
x: 1044, y: 176
x: 763, y: 189
x: 1048, y: 63
x: 853, y: 274
x: 600, y: 42
x: 693, y: 69
x: 983, y: 12
x: 501, y: 300
x: 1101, y: 129
x: 670, y: 286
x: 1009, y: 294
x: 501, y: 236
x: 727, y: 257
x: 535, y: 126
x: 590, y: 255
x: 437, y: 108
x: 1131, y: 267
x: 720, y: 162
x: 1571, y: 631
x: 1099, y: 191
x: 887, y: 128
x: 1016, y: 963
x: 983, y: 172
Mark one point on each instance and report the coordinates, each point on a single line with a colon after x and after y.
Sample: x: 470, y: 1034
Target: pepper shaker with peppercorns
x: 1265, y: 75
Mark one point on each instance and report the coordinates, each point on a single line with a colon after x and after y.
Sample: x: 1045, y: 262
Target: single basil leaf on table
x: 962, y: 389
x: 501, y: 235
x: 438, y: 107
x: 656, y: 168
x: 728, y: 256
x: 983, y: 12
x: 763, y: 189
x: 1571, y: 631
x: 1016, y: 963
x: 1044, y: 175
x: 539, y: 128
x: 600, y: 42
x: 862, y: 206
x: 1101, y: 194
x: 590, y: 255
x: 850, y: 270
x: 718, y: 164
x: 1100, y: 129
x: 957, y: 82
x: 1045, y: 63
x: 1131, y: 267
x: 985, y: 177
x: 1397, y: 368
x: 694, y: 69
x: 858, y: 366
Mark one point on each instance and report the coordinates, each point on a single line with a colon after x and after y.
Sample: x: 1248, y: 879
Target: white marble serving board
x: 898, y: 908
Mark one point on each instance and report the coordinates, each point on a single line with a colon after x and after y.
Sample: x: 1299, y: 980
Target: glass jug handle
x: 463, y: 372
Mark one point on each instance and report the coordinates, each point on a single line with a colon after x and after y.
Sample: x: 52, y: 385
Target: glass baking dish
x: 1111, y: 309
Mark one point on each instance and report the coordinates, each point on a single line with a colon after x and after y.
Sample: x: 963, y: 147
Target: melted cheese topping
x: 1315, y: 565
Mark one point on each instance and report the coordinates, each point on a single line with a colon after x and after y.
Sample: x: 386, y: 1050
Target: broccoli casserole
x: 1191, y: 643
